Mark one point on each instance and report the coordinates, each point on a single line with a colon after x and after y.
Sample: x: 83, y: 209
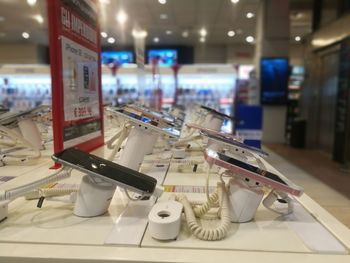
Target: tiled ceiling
x: 217, y: 16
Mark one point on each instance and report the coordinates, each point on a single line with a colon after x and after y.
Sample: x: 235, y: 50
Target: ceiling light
x: 297, y: 38
x: 156, y: 39
x: 111, y: 40
x: 39, y: 18
x: 185, y: 34
x: 121, y: 17
x: 104, y: 34
x: 203, y: 32
x: 168, y: 32
x: 163, y: 2
x: 31, y: 2
x: 163, y: 16
x: 235, y: 1
x: 250, y: 15
x: 2, y: 18
x: 202, y: 39
x: 231, y: 33
x: 139, y: 33
x: 249, y: 39
x: 25, y: 35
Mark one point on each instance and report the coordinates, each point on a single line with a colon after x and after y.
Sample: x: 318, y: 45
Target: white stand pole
x: 30, y: 132
x: 213, y: 122
x: 139, y: 143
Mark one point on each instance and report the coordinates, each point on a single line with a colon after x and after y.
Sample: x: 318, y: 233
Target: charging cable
x: 120, y: 137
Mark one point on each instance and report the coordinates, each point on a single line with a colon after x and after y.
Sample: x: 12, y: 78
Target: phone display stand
x: 30, y: 132
x: 94, y: 197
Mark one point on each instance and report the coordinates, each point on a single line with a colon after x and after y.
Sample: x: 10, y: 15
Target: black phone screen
x: 251, y: 168
x: 106, y: 168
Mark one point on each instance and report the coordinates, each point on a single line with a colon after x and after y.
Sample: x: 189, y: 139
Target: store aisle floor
x: 321, y: 178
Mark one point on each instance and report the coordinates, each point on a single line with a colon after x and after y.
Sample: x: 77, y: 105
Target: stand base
x: 245, y: 200
x: 93, y: 198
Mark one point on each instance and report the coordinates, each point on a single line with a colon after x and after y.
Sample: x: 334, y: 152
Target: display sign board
x: 74, y: 37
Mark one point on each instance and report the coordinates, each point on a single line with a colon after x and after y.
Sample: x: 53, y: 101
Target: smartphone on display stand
x: 106, y: 170
x: 140, y: 119
x: 253, y: 172
x: 10, y: 118
x: 226, y: 138
x: 218, y: 113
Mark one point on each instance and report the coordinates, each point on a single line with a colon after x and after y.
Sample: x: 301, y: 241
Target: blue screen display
x: 119, y: 57
x: 274, y: 76
x: 166, y: 57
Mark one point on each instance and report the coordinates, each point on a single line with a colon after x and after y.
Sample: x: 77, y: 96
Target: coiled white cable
x: 49, y: 192
x: 22, y: 190
x: 209, y: 234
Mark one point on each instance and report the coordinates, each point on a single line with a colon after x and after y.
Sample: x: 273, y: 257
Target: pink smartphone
x: 249, y: 171
x: 226, y: 138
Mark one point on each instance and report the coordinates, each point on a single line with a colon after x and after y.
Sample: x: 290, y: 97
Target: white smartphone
x: 140, y: 119
x: 11, y: 118
x: 252, y: 172
x: 226, y: 138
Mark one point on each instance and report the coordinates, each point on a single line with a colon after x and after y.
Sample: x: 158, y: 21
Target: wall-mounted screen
x: 165, y: 57
x: 119, y: 57
x: 274, y: 73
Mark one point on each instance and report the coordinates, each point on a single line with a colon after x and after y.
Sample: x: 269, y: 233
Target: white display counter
x: 54, y: 234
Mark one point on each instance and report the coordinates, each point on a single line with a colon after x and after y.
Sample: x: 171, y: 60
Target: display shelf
x: 53, y: 234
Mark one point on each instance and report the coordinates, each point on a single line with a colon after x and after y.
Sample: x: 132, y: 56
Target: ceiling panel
x: 217, y: 16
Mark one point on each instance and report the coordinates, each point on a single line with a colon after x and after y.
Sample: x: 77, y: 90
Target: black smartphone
x: 109, y: 171
x: 218, y: 113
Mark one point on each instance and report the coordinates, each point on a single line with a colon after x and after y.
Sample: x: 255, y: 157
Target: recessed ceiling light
x: 163, y: 16
x: 231, y: 33
x: 25, y: 35
x: 31, y: 2
x: 104, y: 34
x: 156, y: 39
x: 2, y: 18
x: 297, y: 38
x: 185, y: 34
x: 121, y: 17
x: 39, y: 18
x: 163, y: 2
x: 235, y: 1
x: 250, y: 15
x: 168, y: 32
x: 202, y: 39
x: 249, y: 39
x: 139, y: 33
x: 111, y: 40
x: 203, y: 32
